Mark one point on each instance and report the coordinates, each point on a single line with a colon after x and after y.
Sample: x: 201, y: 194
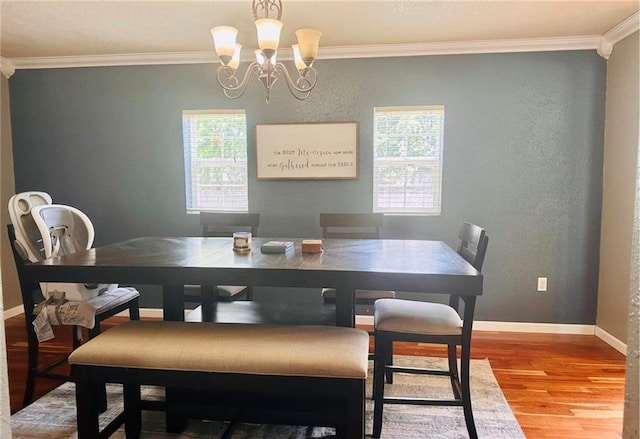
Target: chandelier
x: 265, y: 67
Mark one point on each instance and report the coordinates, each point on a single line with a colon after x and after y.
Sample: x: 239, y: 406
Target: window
x: 215, y: 160
x: 407, y: 160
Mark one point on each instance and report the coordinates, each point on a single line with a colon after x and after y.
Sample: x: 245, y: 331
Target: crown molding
x: 618, y: 33
x: 7, y: 67
x: 623, y: 29
x: 126, y: 59
x: 589, y: 42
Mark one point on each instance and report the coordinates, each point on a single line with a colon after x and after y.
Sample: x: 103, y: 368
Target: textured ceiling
x: 77, y: 28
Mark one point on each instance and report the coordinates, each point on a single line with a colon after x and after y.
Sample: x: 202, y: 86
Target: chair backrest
x: 473, y: 244
x: 27, y: 235
x: 30, y: 291
x: 64, y: 229
x: 351, y: 225
x: 224, y: 224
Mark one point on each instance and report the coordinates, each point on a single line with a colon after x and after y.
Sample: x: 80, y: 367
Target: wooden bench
x: 296, y: 375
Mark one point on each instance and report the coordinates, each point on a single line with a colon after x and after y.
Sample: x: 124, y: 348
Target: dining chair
x: 424, y: 322
x: 247, y: 311
x: 66, y: 230
x: 216, y: 224
x: 354, y: 226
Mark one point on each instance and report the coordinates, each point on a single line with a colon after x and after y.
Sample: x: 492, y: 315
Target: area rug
x: 53, y: 416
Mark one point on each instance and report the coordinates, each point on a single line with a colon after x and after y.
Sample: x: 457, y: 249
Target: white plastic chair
x: 26, y: 231
x: 64, y: 230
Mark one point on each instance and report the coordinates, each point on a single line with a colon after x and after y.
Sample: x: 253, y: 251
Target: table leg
x: 173, y: 302
x: 209, y: 296
x: 345, y: 306
x: 173, y: 309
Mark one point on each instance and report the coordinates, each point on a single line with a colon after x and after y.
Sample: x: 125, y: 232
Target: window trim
x: 437, y: 166
x: 189, y: 166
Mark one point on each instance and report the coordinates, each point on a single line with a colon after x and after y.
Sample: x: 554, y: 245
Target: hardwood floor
x: 558, y: 386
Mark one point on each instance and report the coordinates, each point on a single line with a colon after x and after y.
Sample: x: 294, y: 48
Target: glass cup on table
x: 241, y: 242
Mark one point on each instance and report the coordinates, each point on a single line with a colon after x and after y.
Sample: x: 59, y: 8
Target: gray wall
x: 523, y: 157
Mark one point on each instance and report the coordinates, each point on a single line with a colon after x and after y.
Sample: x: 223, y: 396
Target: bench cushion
x: 312, y: 351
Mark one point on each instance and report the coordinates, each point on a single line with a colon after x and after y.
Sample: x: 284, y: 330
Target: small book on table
x: 276, y: 246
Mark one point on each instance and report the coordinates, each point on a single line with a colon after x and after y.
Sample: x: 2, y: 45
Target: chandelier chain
x: 265, y: 7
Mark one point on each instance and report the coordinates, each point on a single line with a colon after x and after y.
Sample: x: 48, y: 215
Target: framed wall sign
x: 307, y: 151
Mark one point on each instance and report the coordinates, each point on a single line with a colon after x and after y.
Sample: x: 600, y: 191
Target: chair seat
x: 229, y: 291
x: 261, y: 313
x: 361, y: 297
x: 105, y: 301
x: 84, y: 313
x: 409, y: 316
x: 226, y: 293
x: 110, y: 300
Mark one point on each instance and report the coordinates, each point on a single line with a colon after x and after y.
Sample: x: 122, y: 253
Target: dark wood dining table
x: 345, y: 264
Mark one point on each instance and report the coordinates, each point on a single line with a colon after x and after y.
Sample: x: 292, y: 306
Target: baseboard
x: 148, y: 312
x: 611, y: 341
x: 154, y: 313
x: 547, y: 328
x: 364, y: 320
x: 12, y: 312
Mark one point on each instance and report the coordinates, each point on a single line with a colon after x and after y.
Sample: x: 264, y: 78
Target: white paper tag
x: 42, y: 326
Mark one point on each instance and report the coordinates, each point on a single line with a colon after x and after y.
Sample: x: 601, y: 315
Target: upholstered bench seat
x: 315, y: 351
x: 323, y: 362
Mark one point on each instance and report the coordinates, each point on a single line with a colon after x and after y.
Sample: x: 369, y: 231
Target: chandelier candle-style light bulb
x: 260, y: 58
x: 297, y: 59
x: 235, y: 59
x: 266, y: 14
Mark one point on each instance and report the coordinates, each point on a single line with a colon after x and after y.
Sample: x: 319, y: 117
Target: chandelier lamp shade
x: 265, y: 67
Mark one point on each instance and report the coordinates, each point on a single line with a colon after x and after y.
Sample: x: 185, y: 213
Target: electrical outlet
x: 542, y: 284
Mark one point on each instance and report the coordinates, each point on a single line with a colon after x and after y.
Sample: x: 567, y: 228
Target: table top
x: 410, y: 265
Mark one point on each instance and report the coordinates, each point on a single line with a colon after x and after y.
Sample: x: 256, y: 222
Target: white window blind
x: 407, y: 164
x: 215, y: 160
